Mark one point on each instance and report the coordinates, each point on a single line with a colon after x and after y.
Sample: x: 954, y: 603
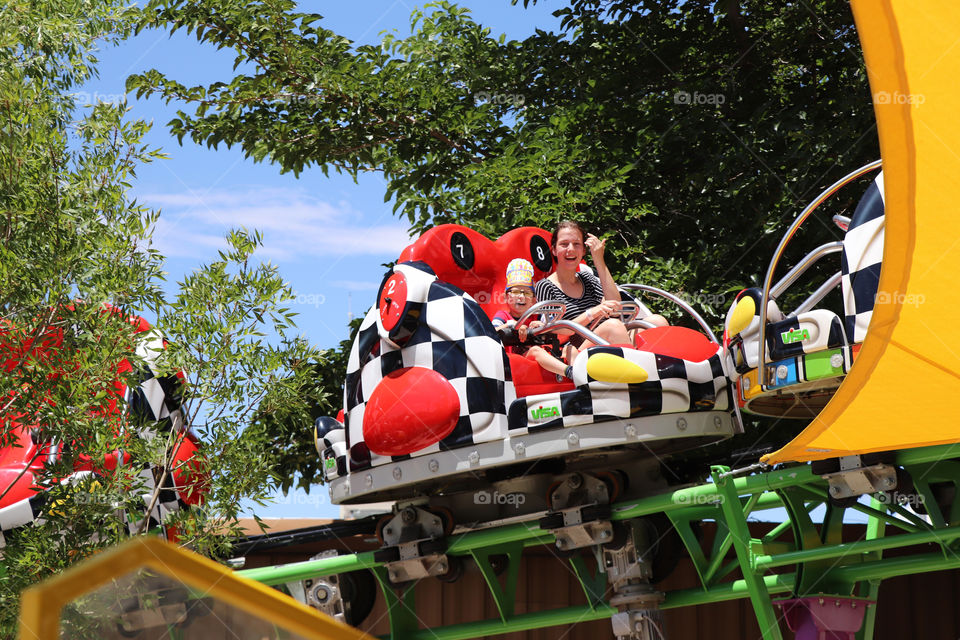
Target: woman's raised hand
x: 596, y: 247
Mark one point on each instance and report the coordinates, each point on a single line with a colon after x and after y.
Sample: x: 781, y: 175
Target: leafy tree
x: 690, y: 131
x: 71, y: 241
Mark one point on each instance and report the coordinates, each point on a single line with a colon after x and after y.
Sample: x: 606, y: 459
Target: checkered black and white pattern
x: 157, y: 399
x: 168, y: 500
x: 673, y: 385
x: 20, y: 514
x: 860, y: 261
x: 331, y: 443
x: 452, y: 336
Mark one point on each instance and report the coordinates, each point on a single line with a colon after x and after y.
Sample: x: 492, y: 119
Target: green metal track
x: 797, y: 558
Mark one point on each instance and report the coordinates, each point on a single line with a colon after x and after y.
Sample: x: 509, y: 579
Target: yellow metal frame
x: 41, y: 604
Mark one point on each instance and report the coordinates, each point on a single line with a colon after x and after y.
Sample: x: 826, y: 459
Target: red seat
x: 677, y: 342
x: 531, y: 379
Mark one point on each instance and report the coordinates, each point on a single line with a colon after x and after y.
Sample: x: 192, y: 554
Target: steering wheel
x: 549, y: 310
x: 629, y: 310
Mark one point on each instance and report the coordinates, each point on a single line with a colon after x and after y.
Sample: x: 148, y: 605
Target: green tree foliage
x: 73, y: 240
x: 690, y: 132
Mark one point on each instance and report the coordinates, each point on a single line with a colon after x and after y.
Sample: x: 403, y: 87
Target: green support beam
x: 736, y: 524
x: 815, y: 554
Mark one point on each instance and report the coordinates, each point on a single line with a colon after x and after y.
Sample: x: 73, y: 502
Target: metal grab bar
x: 768, y: 279
x: 801, y: 267
x: 818, y: 295
x: 573, y: 326
x: 679, y: 302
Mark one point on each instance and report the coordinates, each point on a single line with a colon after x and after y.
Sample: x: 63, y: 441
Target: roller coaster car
x: 155, y: 399
x: 435, y: 406
x: 808, y: 351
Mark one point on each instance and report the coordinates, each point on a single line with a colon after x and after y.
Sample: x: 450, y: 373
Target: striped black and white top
x: 592, y: 294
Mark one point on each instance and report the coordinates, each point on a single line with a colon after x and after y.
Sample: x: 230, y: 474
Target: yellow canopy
x: 903, y: 391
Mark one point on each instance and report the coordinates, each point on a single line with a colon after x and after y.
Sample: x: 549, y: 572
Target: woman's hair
x: 566, y: 224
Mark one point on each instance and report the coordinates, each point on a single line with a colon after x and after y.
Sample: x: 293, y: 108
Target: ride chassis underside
x: 822, y: 582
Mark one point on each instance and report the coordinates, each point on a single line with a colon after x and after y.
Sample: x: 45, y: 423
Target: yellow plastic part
x: 742, y: 316
x: 41, y: 604
x: 607, y: 367
x: 750, y: 385
x: 902, y: 391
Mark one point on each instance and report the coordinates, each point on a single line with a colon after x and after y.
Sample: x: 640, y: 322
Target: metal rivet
x: 717, y: 422
x: 782, y: 371
x: 397, y: 473
x: 746, y: 383
x: 433, y: 465
x: 631, y: 431
x: 573, y: 439
x: 519, y: 449
x: 368, y: 480
x: 682, y: 424
x: 474, y: 457
x: 836, y: 361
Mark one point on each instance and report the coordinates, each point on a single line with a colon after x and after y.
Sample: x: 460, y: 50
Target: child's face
x: 519, y: 299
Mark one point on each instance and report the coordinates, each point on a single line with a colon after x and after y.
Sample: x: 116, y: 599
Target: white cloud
x: 294, y: 224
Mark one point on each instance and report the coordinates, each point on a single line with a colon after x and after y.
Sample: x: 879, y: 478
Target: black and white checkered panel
x: 454, y: 338
x: 332, y: 446
x: 157, y: 399
x: 673, y: 386
x: 860, y: 261
x: 20, y: 514
x: 168, y: 501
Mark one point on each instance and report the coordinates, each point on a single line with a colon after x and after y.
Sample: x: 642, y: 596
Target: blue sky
x: 328, y: 236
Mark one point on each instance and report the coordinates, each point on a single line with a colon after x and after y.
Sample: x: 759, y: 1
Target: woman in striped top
x: 586, y: 296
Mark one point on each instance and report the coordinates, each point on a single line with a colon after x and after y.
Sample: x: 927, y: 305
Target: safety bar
x: 573, y: 326
x: 801, y: 267
x: 818, y: 295
x: 679, y: 302
x: 768, y: 279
